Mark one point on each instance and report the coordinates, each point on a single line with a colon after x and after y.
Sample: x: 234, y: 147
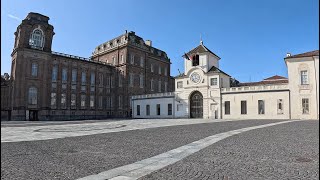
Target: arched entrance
x: 196, y: 105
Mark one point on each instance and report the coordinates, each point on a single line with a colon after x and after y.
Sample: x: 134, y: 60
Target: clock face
x: 195, y: 77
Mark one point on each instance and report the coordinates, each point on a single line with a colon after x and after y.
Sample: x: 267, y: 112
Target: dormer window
x: 37, y: 39
x: 195, y: 60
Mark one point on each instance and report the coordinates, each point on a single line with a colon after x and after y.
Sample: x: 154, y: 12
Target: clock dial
x: 195, y: 77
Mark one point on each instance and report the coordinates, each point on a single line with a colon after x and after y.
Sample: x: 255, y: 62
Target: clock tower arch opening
x: 196, y: 105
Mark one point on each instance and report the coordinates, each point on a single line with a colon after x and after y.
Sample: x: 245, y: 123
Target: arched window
x: 32, y: 97
x: 37, y: 39
x: 195, y: 60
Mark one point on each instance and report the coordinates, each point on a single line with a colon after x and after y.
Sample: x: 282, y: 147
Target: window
x: 112, y: 81
x: 305, y: 106
x: 304, y: 77
x: 83, y: 101
x: 113, y: 60
x: 158, y: 109
x: 179, y: 107
x: 32, y: 96
x: 64, y: 75
x: 152, y: 68
x: 92, y: 101
x: 179, y: 84
x: 74, y: 76
x: 100, y: 79
x: 73, y: 101
x: 169, y: 109
x: 165, y: 86
x: 159, y: 86
x: 54, y: 73
x: 148, y: 110
x: 111, y: 101
x: 151, y: 85
x: 280, y: 106
x: 63, y: 101
x: 227, y: 107
x: 138, y: 110
x: 221, y: 82
x: 141, y: 61
x: 120, y: 80
x: 120, y: 102
x: 132, y: 59
x: 53, y: 100
x: 108, y: 102
x: 214, y: 81
x: 165, y: 71
x: 83, y: 78
x: 131, y: 79
x: 159, y: 70
x: 260, y: 106
x: 243, y: 107
x: 36, y: 39
x: 141, y: 81
x: 92, y: 80
x: 121, y: 57
x: 34, y: 69
x: 195, y: 60
x: 108, y: 81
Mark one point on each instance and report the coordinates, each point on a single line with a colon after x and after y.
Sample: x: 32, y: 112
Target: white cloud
x: 14, y: 17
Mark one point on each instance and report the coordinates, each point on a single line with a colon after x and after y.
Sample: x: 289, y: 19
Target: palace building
x: 205, y: 91
x: 47, y: 85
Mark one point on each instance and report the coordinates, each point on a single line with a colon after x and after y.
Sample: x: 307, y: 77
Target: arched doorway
x: 196, y: 105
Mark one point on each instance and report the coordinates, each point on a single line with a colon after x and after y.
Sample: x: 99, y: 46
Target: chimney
x: 288, y: 54
x: 148, y: 42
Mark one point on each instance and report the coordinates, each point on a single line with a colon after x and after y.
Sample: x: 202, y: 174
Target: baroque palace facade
x: 46, y: 85
x: 205, y: 91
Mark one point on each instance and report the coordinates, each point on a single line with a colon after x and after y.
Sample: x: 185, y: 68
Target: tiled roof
x: 215, y: 69
x: 271, y: 80
x: 201, y: 49
x: 306, y: 54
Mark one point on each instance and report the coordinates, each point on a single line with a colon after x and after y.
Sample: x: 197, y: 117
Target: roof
x: 201, y: 49
x: 306, y: 54
x: 276, y: 79
x: 217, y: 70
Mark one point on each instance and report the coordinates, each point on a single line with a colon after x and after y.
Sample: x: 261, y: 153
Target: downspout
x: 315, y: 74
x: 289, y: 104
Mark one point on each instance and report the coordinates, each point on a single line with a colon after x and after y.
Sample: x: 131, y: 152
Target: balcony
x: 146, y: 96
x: 255, y: 88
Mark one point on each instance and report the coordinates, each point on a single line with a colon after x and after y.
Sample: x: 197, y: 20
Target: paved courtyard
x: 161, y: 149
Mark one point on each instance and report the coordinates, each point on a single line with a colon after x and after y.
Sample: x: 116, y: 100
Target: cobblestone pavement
x: 287, y: 151
x: 76, y: 157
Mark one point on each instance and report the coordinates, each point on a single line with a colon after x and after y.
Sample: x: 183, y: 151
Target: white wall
x: 153, y: 107
x: 270, y: 99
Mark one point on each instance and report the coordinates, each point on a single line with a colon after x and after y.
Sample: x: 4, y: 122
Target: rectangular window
x: 141, y: 81
x: 112, y: 81
x: 108, y: 101
x: 214, y: 81
x: 54, y: 73
x: 92, y: 101
x: 169, y: 109
x: 179, y: 107
x: 243, y: 107
x: 53, y: 100
x: 304, y: 77
x: 92, y: 79
x: 120, y: 102
x: 100, y: 102
x: 34, y: 69
x: 158, y: 109
x: 221, y: 82
x: 260, y: 106
x: 120, y: 80
x: 113, y: 60
x: 151, y: 85
x: 180, y: 84
x: 132, y: 59
x: 165, y: 71
x: 148, y: 110
x: 64, y: 75
x: 138, y: 110
x: 100, y: 79
x: 227, y: 107
x: 141, y: 61
x: 83, y: 78
x: 159, y: 86
x: 112, y: 101
x: 73, y: 101
x: 151, y: 67
x: 131, y: 76
x: 121, y: 57
x: 63, y: 101
x: 159, y: 70
x: 74, y: 76
x: 305, y: 106
x: 83, y: 101
x: 108, y: 81
x: 165, y: 86
x: 280, y: 106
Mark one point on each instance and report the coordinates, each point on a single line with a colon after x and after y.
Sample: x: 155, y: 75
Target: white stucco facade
x: 205, y: 91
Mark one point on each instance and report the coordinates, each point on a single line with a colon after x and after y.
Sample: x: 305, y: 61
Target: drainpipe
x: 315, y: 74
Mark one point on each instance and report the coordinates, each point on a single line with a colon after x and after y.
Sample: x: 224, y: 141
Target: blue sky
x: 251, y: 37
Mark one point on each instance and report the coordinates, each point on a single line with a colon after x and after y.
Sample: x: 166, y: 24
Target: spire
x: 201, y: 42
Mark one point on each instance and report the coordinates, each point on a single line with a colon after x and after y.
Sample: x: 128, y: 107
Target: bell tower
x: 34, y: 32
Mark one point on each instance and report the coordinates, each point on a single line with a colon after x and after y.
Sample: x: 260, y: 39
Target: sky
x: 251, y: 37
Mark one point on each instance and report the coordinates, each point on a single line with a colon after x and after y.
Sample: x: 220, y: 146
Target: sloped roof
x: 306, y: 54
x: 276, y: 79
x: 201, y: 49
x: 217, y: 70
